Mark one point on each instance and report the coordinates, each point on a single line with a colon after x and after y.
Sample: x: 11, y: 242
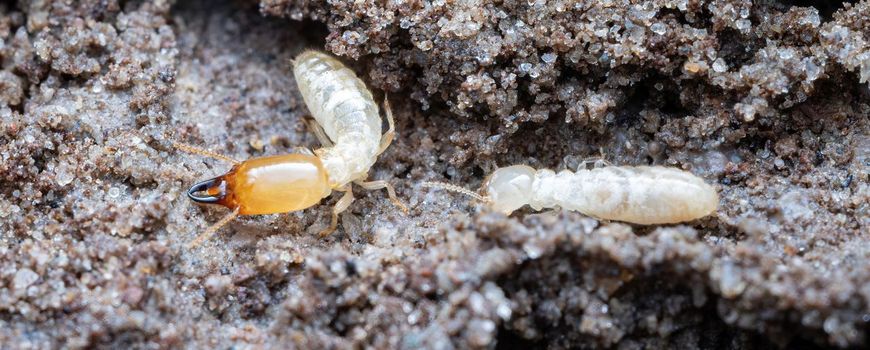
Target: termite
x: 645, y: 195
x: 348, y: 125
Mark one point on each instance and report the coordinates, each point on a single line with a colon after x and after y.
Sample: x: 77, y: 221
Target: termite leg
x: 211, y: 230
x: 601, y: 163
x: 597, y: 162
x: 303, y: 150
x: 602, y: 160
x: 339, y: 207
x: 318, y: 132
x: 387, y: 139
x: 203, y: 152
x: 391, y: 192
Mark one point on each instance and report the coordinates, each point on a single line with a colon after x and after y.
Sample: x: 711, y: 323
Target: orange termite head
x: 266, y: 185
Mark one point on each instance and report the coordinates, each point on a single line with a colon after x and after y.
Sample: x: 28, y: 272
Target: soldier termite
x: 349, y: 128
x: 636, y: 194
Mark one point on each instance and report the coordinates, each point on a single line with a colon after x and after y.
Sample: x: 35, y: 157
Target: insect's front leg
x: 339, y: 207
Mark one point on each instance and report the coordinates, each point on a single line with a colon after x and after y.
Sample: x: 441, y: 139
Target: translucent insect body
x: 349, y: 128
x: 642, y: 195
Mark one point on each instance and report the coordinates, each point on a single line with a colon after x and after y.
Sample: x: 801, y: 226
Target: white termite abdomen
x: 340, y: 102
x: 641, y: 195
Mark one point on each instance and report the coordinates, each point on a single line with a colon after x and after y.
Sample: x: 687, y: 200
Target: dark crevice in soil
x: 826, y: 8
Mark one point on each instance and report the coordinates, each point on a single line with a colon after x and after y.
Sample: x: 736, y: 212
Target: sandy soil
x: 770, y: 101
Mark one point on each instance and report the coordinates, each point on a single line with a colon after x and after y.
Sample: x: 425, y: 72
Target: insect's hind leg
x: 340, y: 206
x: 391, y: 192
x: 388, y: 136
x: 318, y: 132
x: 203, y: 152
x: 303, y: 150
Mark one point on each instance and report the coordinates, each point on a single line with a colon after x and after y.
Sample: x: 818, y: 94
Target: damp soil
x: 769, y: 101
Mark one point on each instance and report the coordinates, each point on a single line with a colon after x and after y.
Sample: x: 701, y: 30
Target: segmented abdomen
x: 641, y: 195
x: 344, y: 107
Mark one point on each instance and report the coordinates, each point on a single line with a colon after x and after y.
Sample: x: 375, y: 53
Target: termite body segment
x: 644, y: 195
x: 351, y: 134
x: 343, y: 106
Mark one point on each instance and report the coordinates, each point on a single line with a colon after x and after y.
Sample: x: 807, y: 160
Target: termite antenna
x: 211, y: 230
x: 454, y: 188
x: 203, y: 152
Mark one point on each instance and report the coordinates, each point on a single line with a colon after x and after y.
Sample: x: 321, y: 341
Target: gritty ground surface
x: 769, y: 101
